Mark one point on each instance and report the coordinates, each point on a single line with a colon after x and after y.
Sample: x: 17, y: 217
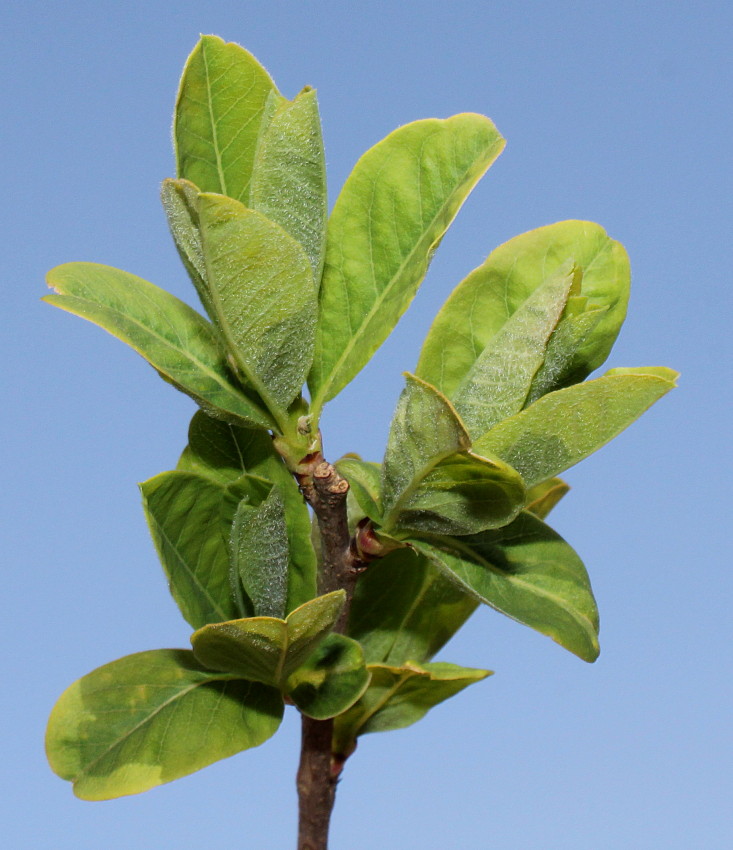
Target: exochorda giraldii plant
x: 338, y: 610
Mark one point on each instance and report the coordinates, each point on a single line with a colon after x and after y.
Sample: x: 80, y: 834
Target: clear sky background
x: 615, y: 112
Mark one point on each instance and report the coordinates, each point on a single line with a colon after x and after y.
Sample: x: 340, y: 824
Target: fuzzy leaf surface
x: 177, y: 342
x: 330, y: 680
x: 484, y: 301
x: 388, y: 219
x: 225, y: 452
x: 430, y: 481
x: 221, y: 108
x: 500, y: 379
x: 289, y: 175
x: 262, y: 291
x: 268, y: 649
x: 190, y: 518
x: 405, y: 608
x: 562, y: 428
x: 400, y: 696
x: 528, y: 572
x: 259, y: 550
x: 152, y: 717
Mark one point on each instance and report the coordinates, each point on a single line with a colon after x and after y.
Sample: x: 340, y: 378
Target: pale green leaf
x: 225, y: 452
x: 406, y: 608
x: 398, y: 697
x: 177, y: 342
x: 429, y: 479
x: 190, y: 518
x: 220, y: 111
x: 482, y: 303
x: 543, y: 497
x: 388, y: 219
x: 500, y: 379
x: 259, y: 550
x: 528, y: 572
x: 268, y: 649
x: 153, y: 717
x: 330, y: 680
x: 262, y: 291
x: 562, y: 428
x: 364, y: 482
x: 289, y: 175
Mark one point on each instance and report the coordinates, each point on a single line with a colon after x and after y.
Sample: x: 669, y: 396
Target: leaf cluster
x: 295, y: 302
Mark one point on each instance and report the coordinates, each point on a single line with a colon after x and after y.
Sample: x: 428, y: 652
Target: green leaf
x: 268, y: 649
x: 528, y: 572
x: 390, y: 216
x: 190, y: 519
x: 225, y: 452
x: 223, y: 102
x: 177, y: 342
x: 262, y: 291
x: 543, y: 497
x: 330, y: 680
x: 364, y: 482
x: 289, y: 175
x: 500, y: 379
x: 405, y: 608
x: 482, y: 303
x: 259, y: 548
x: 564, y: 427
x: 429, y: 480
x: 152, y: 717
x: 398, y: 697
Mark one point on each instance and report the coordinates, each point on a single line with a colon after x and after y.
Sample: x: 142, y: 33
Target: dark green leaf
x: 564, y: 427
x: 390, y: 216
x: 268, y: 649
x: 364, y: 481
x: 405, y: 608
x: 330, y: 680
x: 528, y: 572
x: 190, y: 518
x: 153, y: 717
x: 398, y: 697
x: 259, y: 549
x: 177, y: 342
x: 429, y: 480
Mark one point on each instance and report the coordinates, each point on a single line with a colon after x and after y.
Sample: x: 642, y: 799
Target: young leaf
x: 330, y: 680
x: 528, y: 572
x: 268, y: 649
x: 405, y: 608
x: 259, y: 549
x: 398, y: 697
x: 225, y: 452
x: 220, y: 111
x: 180, y: 201
x: 289, y: 175
x: 152, y: 717
x: 430, y: 482
x: 500, y: 379
x: 543, y: 497
x: 390, y: 216
x: 177, y: 342
x: 190, y: 519
x: 564, y: 427
x: 262, y: 291
x: 482, y: 303
x: 364, y: 483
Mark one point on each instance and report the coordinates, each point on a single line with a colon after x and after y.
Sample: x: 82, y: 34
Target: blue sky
x: 618, y: 113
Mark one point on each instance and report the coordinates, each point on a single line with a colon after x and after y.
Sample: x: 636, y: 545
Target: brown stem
x: 318, y: 773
